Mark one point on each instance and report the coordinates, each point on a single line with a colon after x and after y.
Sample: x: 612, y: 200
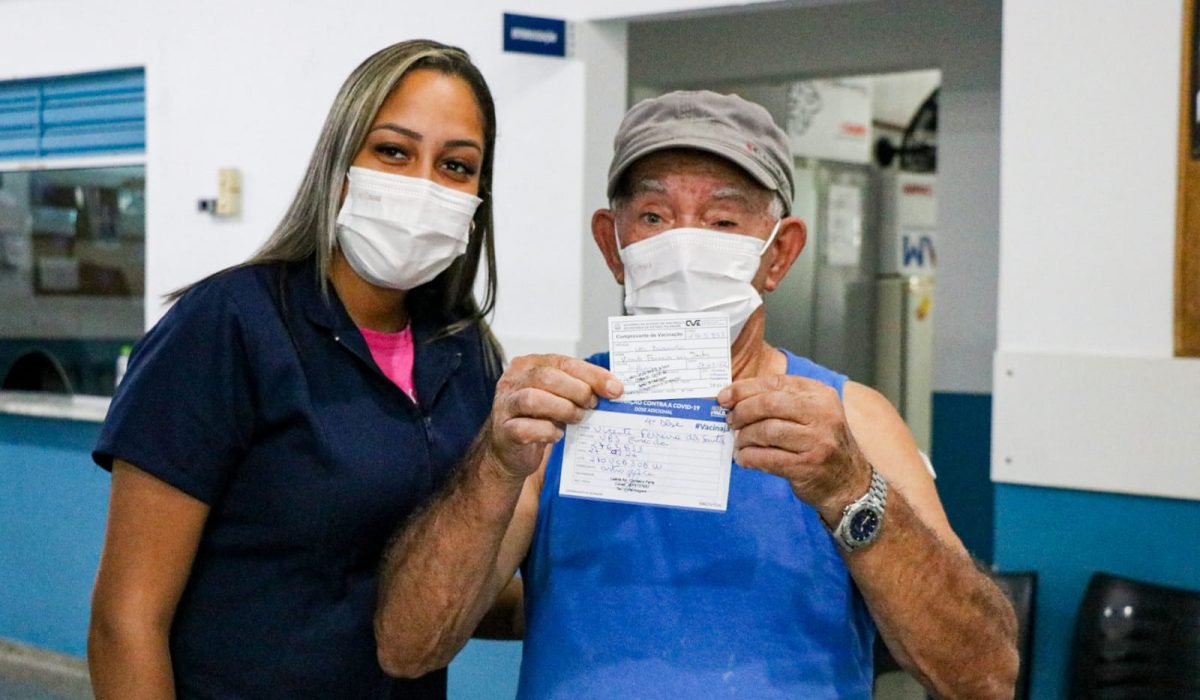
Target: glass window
x: 72, y: 228
x: 72, y: 275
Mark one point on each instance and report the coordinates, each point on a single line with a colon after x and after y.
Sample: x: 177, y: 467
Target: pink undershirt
x: 393, y: 352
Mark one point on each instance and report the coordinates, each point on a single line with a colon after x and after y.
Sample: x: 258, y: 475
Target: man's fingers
x: 804, y: 404
x: 602, y: 382
x: 528, y: 431
x: 743, y: 389
x: 764, y: 459
x: 773, y: 432
x: 539, y: 404
x: 797, y: 407
x: 559, y: 383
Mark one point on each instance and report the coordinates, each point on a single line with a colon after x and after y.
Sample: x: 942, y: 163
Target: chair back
x: 1021, y: 589
x: 1136, y: 640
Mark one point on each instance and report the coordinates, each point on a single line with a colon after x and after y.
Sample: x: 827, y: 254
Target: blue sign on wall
x: 540, y: 35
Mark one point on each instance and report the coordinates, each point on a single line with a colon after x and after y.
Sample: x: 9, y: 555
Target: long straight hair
x: 309, y: 226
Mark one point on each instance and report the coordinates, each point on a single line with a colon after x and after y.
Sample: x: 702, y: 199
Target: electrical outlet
x: 229, y: 192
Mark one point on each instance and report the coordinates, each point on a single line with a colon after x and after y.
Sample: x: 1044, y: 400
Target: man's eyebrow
x: 647, y: 187
x: 731, y: 192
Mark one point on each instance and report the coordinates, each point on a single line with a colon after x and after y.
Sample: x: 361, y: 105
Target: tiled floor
x: 27, y: 673
x: 23, y: 690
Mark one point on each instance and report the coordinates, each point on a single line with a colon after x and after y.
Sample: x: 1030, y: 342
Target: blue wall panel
x: 53, y: 504
x: 52, y: 510
x: 1067, y: 535
x: 961, y: 454
x: 485, y: 670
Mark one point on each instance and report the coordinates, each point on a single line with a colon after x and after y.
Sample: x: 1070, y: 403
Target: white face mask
x: 400, y: 232
x: 694, y: 269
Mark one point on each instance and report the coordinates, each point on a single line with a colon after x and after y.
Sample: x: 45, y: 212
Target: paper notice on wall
x: 844, y: 227
x: 830, y: 119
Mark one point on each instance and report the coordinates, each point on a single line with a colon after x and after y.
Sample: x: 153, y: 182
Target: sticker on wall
x: 830, y: 119
x: 924, y: 307
x: 544, y: 36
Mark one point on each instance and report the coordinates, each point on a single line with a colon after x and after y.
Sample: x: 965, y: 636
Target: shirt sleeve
x: 184, y: 412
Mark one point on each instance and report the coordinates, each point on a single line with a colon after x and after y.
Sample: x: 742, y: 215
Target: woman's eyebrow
x: 457, y: 143
x: 416, y: 136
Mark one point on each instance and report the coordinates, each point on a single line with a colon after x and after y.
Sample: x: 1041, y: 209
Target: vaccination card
x: 668, y: 453
x: 670, y: 356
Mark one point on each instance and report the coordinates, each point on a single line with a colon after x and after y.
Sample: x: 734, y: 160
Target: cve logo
x: 692, y: 322
x: 918, y: 251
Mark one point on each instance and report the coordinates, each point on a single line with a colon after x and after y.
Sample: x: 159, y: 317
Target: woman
x: 288, y: 414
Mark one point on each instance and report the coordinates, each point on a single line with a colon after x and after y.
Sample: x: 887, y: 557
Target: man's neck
x: 751, y: 354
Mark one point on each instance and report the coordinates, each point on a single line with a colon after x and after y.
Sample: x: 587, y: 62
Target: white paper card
x: 670, y: 356
x: 669, y: 453
x: 845, y: 225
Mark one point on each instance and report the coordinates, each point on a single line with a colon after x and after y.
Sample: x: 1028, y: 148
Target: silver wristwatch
x: 862, y: 520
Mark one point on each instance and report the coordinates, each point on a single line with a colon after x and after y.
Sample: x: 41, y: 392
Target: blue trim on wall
x: 52, y: 510
x: 53, y: 506
x: 961, y: 454
x: 485, y: 670
x: 1067, y: 535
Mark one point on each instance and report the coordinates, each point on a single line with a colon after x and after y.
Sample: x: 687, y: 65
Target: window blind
x: 75, y: 115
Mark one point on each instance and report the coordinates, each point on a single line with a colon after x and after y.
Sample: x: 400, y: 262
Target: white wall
x: 962, y: 38
x: 1089, y: 151
x: 247, y: 85
x: 1088, y: 395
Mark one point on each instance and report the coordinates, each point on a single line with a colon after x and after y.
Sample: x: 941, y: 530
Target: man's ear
x: 788, y: 244
x: 604, y: 228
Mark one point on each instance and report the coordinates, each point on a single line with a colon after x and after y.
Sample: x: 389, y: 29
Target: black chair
x: 37, y: 370
x: 1021, y: 589
x: 1136, y: 640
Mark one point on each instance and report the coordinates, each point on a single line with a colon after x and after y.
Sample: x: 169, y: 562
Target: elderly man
x: 833, y: 527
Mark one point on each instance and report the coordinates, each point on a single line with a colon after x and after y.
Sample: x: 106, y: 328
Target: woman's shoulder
x: 240, y: 282
x: 242, y: 295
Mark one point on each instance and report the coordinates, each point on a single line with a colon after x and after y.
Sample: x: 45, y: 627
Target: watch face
x: 863, y: 525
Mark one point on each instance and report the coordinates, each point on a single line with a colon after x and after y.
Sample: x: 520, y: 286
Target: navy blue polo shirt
x: 257, y: 394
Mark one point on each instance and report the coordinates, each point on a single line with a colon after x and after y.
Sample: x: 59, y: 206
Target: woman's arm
x: 149, y: 545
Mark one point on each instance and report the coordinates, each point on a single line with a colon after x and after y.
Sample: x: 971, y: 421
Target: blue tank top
x: 629, y: 601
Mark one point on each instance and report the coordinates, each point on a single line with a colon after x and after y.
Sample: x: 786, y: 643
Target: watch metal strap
x: 876, y: 499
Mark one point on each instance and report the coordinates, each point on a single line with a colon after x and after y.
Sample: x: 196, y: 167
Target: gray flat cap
x: 725, y: 125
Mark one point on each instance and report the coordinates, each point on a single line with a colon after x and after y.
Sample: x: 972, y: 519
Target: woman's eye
x: 391, y: 151
x: 460, y: 167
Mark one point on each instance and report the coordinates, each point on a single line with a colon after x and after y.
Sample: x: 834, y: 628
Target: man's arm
x: 943, y: 619
x: 447, y: 565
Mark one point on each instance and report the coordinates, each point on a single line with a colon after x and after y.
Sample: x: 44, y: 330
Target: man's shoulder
x: 804, y: 367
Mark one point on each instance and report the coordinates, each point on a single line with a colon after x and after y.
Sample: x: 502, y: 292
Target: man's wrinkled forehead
x: 741, y: 195
x: 657, y: 172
